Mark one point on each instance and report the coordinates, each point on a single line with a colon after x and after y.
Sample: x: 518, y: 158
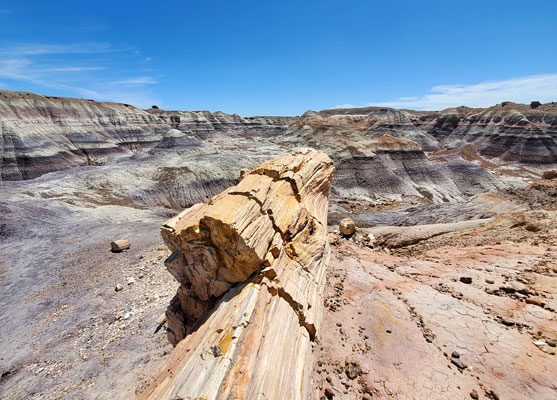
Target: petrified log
x: 251, y: 264
x: 120, y: 245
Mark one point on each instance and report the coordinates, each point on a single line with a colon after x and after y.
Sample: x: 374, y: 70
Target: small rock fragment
x: 118, y: 287
x: 119, y: 245
x: 535, y: 301
x: 329, y: 393
x: 492, y: 395
x: 131, y: 281
x: 347, y: 227
x: 455, y: 354
x: 352, y: 370
x: 456, y: 361
x: 549, y: 174
x: 466, y: 279
x: 507, y: 321
x: 474, y: 394
x: 489, y: 281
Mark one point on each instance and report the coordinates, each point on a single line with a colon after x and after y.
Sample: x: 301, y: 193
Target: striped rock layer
x: 251, y: 266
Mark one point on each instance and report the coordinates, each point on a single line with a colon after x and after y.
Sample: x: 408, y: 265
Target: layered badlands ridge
x: 41, y: 134
x: 68, y: 132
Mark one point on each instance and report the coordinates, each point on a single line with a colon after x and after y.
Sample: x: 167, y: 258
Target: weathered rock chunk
x: 251, y: 266
x: 347, y: 227
x: 119, y: 245
x: 549, y: 174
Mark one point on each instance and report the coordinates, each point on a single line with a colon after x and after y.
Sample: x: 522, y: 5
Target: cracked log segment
x: 251, y: 264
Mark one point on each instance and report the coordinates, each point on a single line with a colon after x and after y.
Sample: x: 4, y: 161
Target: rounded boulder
x: 347, y: 227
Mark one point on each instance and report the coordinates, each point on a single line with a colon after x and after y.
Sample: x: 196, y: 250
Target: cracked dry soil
x: 414, y: 329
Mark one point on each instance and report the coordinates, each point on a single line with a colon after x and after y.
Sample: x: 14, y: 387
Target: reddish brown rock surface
x: 472, y: 308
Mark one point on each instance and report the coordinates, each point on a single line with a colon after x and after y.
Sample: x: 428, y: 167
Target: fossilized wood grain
x: 251, y: 264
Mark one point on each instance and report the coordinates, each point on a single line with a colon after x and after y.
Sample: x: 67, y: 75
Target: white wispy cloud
x: 16, y: 68
x: 74, y: 69
x: 27, y: 63
x: 24, y: 49
x: 142, y: 80
x: 25, y: 69
x: 484, y: 94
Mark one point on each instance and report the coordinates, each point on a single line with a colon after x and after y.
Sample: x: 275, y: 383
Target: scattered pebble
x: 466, y: 279
x: 493, y: 395
x: 352, y: 370
x: 119, y: 245
x: 118, y: 287
x: 456, y: 361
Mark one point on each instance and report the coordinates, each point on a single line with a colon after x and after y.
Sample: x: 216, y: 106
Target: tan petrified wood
x: 251, y: 264
x: 120, y: 245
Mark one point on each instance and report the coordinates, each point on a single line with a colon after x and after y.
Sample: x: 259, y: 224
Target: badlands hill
x: 506, y: 131
x: 42, y: 134
x: 447, y: 289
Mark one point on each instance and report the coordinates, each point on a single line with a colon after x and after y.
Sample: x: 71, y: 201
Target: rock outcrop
x: 506, y: 131
x: 115, y: 154
x: 251, y: 266
x: 549, y: 174
x: 41, y: 134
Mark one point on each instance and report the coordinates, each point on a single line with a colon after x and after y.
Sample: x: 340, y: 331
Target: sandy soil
x: 72, y: 335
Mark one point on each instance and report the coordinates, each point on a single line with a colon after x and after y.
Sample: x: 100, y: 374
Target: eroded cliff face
x: 507, y: 131
x: 174, y: 159
x: 251, y: 266
x: 41, y: 134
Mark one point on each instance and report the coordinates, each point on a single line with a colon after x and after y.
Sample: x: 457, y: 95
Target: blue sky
x: 282, y: 57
